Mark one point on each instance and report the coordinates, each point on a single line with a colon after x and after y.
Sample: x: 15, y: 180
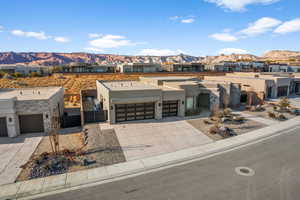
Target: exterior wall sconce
x: 47, y: 116
x: 111, y: 107
x: 182, y: 102
x: 10, y: 120
x: 159, y: 105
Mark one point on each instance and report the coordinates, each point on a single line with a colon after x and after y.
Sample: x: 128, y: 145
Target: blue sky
x: 157, y: 27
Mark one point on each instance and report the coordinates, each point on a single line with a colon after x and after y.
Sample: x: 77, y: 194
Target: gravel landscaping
x: 265, y: 113
x: 246, y: 126
x: 103, y: 149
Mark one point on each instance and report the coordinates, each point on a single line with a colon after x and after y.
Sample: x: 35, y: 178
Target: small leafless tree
x: 53, y: 134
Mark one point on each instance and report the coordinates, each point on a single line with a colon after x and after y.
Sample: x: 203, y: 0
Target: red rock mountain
x: 45, y: 58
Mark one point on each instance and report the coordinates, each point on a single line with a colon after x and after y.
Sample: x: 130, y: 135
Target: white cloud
x: 174, y: 17
x: 93, y: 49
x: 1, y: 28
x: 94, y: 35
x: 261, y: 26
x: 36, y: 35
x: 188, y: 21
x: 111, y: 41
x: 62, y: 39
x: 288, y: 27
x: 239, y: 5
x: 183, y: 19
x: 228, y: 51
x: 159, y: 52
x: 225, y: 37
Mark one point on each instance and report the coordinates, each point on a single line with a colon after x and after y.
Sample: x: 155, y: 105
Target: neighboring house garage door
x: 31, y: 123
x: 131, y: 112
x: 282, y: 91
x: 3, y: 127
x: 170, y: 108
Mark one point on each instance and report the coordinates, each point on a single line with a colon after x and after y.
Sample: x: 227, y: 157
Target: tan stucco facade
x: 190, y: 93
x: 268, y: 84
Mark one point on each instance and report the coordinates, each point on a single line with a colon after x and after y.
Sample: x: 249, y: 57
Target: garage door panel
x: 170, y: 108
x: 3, y: 127
x: 131, y: 112
x: 31, y: 123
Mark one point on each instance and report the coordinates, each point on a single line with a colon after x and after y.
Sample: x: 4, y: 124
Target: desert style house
x: 161, y: 97
x: 29, y: 110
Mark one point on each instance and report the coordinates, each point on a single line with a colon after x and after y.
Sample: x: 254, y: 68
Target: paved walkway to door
x: 14, y: 152
x: 140, y: 139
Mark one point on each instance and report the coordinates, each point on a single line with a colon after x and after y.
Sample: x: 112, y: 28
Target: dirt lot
x: 239, y: 129
x: 73, y: 83
x: 103, y: 149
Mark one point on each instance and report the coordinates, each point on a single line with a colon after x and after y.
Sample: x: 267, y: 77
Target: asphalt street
x: 276, y: 163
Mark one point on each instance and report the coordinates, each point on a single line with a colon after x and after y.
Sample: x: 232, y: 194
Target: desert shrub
x: 281, y: 117
x: 239, y: 119
x: 284, y: 103
x: 271, y: 115
x: 206, y: 121
x: 34, y: 74
x: 214, y: 129
x: 17, y: 75
x: 2, y: 74
x: 227, y: 111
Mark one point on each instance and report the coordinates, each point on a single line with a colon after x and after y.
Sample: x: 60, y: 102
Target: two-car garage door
x: 31, y: 123
x: 138, y: 111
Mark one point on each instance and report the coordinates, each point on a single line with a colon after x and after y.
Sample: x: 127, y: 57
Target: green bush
x: 17, y: 75
x: 2, y: 74
x: 34, y: 74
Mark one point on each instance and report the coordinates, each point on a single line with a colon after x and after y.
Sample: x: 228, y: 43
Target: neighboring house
x: 29, y: 110
x: 278, y: 68
x: 160, y: 97
x: 265, y: 85
x: 251, y: 66
x: 183, y: 67
x: 295, y: 68
x: 102, y: 68
x: 23, y: 69
x: 283, y: 68
x: 225, y: 66
x: 139, y: 67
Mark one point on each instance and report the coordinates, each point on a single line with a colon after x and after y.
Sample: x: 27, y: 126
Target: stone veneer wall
x: 48, y: 108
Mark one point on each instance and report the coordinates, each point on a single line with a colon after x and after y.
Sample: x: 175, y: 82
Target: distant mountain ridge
x: 41, y: 58
x: 49, y: 58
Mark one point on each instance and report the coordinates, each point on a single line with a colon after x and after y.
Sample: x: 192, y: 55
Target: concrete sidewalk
x: 69, y: 181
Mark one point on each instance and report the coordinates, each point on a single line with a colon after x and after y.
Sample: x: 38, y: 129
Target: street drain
x: 244, y: 171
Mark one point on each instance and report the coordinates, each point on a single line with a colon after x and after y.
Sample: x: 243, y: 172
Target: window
x: 190, y: 103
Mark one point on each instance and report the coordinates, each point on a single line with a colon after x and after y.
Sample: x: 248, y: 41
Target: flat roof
x: 127, y: 85
x: 40, y: 93
x: 162, y: 78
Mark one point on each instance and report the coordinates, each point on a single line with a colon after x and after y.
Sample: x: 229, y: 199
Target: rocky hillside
x: 232, y: 57
x: 41, y: 58
x: 66, y: 58
x: 281, y: 55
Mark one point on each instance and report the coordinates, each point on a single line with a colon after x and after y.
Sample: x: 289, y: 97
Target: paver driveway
x: 14, y: 152
x: 151, y: 137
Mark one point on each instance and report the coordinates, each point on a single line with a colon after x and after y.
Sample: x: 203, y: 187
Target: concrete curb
x: 74, y: 180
